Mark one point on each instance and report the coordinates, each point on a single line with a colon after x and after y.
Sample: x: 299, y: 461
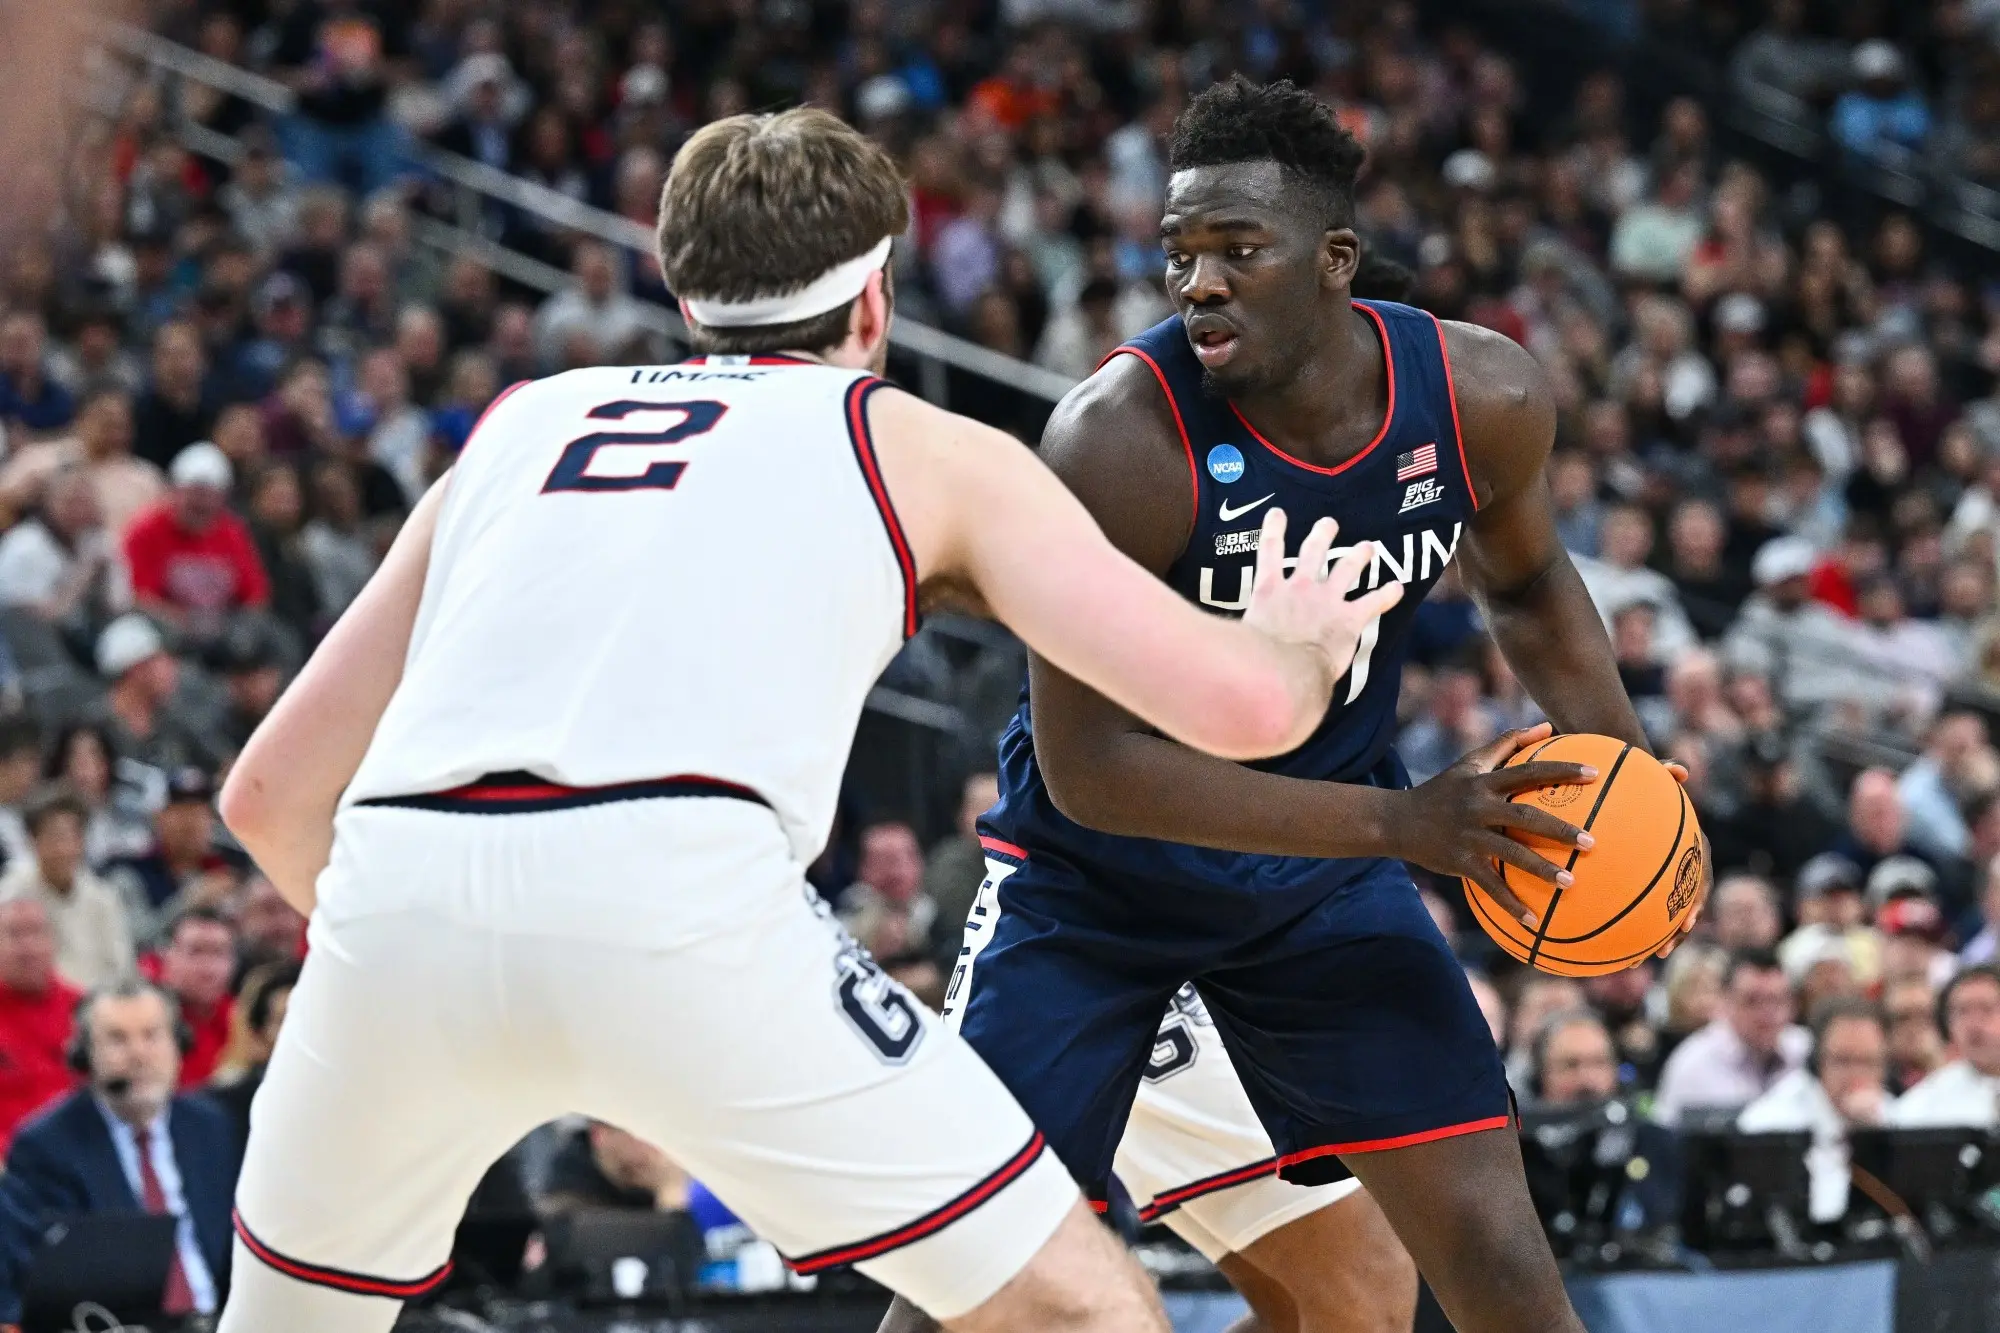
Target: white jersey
x: 656, y: 572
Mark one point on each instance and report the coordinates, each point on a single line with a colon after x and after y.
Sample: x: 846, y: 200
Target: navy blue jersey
x: 1408, y: 492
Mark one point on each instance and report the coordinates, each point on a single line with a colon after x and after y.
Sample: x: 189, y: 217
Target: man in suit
x: 125, y: 1142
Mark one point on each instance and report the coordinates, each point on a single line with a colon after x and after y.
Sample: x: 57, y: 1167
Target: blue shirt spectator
x: 1883, y: 119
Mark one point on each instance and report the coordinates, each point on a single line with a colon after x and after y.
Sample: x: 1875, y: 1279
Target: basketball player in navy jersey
x: 1122, y: 865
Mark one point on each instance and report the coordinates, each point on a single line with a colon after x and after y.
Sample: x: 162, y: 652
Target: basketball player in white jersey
x: 549, y: 786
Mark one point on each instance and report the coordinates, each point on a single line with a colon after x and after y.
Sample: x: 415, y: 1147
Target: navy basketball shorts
x: 1351, y: 1028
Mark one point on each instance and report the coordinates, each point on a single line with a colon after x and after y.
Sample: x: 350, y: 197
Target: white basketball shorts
x: 1194, y: 1154
x: 659, y: 964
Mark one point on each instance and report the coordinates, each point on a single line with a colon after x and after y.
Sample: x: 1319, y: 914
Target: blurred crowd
x: 222, y: 385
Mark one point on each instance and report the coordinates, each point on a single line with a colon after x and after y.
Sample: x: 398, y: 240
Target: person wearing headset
x: 1843, y: 1085
x: 1574, y: 1066
x: 126, y: 1142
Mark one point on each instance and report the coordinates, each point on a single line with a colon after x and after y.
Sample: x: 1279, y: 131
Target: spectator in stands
x: 1984, y: 945
x: 1882, y: 118
x: 1874, y: 830
x: 593, y: 319
x: 1966, y: 1091
x: 1455, y: 719
x: 276, y: 515
x: 197, y: 961
x: 20, y: 770
x: 176, y: 409
x: 1913, y: 932
x: 1619, y: 578
x: 1746, y: 914
x: 194, y: 563
x: 260, y: 1014
x: 956, y: 866
x: 886, y: 908
x: 1620, y: 999
x: 126, y: 1143
x: 60, y: 564
x: 102, y: 447
x: 1777, y: 829
x: 1933, y: 790
x: 1652, y: 241
x: 1801, y: 645
x: 93, y: 933
x: 602, y: 1166
x: 341, y: 57
x: 1740, y: 1055
x: 182, y: 869
x: 1916, y: 1047
x: 1540, y: 998
x: 1710, y: 590
x: 1842, y: 1086
x: 260, y: 199
x: 138, y: 717
x: 270, y: 929
x: 334, y: 541
x: 31, y: 401
x: 37, y: 1011
x: 252, y: 676
x: 1574, y: 1063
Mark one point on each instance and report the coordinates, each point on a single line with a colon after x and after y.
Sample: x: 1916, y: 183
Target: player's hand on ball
x: 1457, y: 821
x: 1313, y: 605
x: 1680, y: 772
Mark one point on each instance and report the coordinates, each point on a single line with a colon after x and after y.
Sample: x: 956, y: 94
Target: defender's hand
x: 1311, y: 607
x: 1455, y: 823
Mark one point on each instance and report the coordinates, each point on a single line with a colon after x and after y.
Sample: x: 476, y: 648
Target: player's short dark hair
x: 1750, y: 960
x: 1240, y: 121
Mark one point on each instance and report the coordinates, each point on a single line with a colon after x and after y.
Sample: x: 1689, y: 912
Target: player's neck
x: 1336, y: 402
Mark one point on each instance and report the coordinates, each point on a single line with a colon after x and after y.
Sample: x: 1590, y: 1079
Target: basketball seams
x: 1673, y: 855
x: 1555, y: 899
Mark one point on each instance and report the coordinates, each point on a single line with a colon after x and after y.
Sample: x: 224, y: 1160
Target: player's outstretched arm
x: 988, y: 522
x: 282, y: 791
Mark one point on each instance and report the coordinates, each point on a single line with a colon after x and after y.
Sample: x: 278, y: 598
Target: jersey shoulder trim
x: 1451, y: 392
x: 864, y: 454
x: 1388, y: 411
x: 1180, y: 423
x: 491, y: 408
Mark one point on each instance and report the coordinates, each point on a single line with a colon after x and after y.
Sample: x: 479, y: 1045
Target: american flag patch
x: 1417, y: 462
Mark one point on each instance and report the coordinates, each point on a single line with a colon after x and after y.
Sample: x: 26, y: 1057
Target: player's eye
x: 1242, y: 251
x: 1177, y: 259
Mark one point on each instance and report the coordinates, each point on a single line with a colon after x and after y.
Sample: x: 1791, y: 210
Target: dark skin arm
x: 1114, y: 443
x: 1534, y: 601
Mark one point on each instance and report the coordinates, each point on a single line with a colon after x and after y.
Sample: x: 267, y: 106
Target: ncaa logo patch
x: 1225, y: 463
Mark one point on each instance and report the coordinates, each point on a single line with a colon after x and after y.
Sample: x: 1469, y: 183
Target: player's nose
x: 1207, y: 283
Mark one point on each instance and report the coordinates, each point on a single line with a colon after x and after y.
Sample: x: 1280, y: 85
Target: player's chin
x: 1236, y: 375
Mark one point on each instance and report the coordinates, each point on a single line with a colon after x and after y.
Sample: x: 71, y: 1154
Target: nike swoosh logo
x: 1231, y: 515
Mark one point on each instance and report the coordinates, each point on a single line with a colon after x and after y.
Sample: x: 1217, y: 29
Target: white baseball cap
x: 1782, y: 558
x: 126, y: 642
x: 201, y: 464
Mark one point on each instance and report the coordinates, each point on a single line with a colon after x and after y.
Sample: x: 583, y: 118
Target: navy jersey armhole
x: 859, y: 435
x: 1180, y: 425
x: 1457, y: 434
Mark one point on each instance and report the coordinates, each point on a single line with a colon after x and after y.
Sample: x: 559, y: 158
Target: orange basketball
x: 1633, y: 890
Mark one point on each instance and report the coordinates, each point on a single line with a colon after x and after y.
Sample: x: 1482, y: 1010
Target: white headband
x: 835, y: 287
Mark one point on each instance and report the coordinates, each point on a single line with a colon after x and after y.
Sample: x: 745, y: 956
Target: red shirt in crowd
x: 213, y: 571
x: 208, y: 1033
x: 34, y: 1041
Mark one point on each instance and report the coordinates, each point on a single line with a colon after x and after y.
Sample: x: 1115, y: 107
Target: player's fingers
x: 1372, y: 605
x: 1352, y: 567
x: 1677, y: 768
x: 1538, y: 773
x: 1487, y: 876
x: 1535, y: 820
x: 1312, y: 551
x: 1271, y: 549
x: 1525, y: 858
x: 1497, y: 752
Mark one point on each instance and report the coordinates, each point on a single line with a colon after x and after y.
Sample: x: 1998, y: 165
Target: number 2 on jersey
x: 588, y: 463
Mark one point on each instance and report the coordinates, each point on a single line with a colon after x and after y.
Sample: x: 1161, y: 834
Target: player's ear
x: 1342, y: 250
x: 869, y: 325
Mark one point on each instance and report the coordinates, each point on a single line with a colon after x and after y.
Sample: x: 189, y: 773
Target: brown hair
x: 759, y: 205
